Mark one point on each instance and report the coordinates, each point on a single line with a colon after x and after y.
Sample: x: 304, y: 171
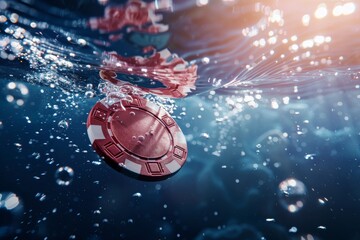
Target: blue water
x: 272, y: 127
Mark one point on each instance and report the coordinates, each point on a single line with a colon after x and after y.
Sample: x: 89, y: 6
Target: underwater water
x: 265, y: 92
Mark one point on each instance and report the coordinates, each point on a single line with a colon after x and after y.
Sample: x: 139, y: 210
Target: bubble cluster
x: 16, y: 93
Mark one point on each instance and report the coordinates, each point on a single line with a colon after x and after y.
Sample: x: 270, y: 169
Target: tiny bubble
x: 137, y: 195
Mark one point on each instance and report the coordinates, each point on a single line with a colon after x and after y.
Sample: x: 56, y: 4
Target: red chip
x: 177, y: 75
x: 144, y: 139
x: 170, y: 90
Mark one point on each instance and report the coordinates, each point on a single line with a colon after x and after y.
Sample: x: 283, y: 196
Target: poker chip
x: 170, y: 90
x: 176, y: 75
x: 140, y: 139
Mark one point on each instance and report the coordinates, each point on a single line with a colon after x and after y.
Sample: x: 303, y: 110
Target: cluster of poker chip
x: 176, y: 75
x: 132, y: 134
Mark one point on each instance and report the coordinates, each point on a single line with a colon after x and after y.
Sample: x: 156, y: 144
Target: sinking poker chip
x: 142, y: 141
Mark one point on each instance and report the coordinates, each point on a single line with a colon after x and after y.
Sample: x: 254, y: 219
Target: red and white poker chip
x: 170, y: 90
x: 144, y: 139
x: 176, y: 75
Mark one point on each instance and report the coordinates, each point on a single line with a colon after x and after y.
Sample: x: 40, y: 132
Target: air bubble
x: 292, y: 194
x: 82, y: 42
x: 205, y: 135
x: 64, y: 176
x: 89, y: 94
x: 11, y: 210
x: 322, y: 201
x: 205, y: 60
x: 41, y: 196
x: 310, y: 156
x: 137, y: 195
x: 64, y: 124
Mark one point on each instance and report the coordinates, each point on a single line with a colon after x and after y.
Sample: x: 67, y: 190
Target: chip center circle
x: 141, y: 133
